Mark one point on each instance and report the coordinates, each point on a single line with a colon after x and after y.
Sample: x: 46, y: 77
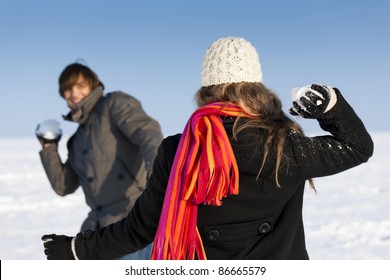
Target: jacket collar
x: 84, y: 107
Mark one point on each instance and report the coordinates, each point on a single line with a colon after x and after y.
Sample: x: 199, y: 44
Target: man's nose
x: 72, y: 93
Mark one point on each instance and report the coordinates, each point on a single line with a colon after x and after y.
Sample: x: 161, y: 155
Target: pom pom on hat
x: 231, y: 60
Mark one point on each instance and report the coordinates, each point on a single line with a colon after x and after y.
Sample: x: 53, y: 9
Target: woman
x: 231, y: 186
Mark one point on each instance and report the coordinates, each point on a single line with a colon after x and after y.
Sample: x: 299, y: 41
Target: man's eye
x: 81, y: 85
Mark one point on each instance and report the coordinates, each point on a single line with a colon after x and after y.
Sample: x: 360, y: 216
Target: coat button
x: 264, y: 228
x: 213, y: 235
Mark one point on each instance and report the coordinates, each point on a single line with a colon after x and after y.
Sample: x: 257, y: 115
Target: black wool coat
x: 262, y: 221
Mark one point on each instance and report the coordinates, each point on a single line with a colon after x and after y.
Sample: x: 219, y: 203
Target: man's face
x: 77, y: 92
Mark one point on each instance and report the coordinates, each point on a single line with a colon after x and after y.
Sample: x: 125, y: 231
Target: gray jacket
x: 109, y: 156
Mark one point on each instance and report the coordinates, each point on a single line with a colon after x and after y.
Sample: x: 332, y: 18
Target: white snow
x: 348, y: 218
x: 49, y: 129
x: 298, y: 92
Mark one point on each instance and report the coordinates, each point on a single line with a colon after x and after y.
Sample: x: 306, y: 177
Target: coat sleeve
x: 138, y: 229
x: 61, y: 176
x: 348, y: 145
x: 142, y: 130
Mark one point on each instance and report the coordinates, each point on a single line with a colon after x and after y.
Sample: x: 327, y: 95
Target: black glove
x: 48, y: 132
x: 314, y: 102
x: 58, y: 247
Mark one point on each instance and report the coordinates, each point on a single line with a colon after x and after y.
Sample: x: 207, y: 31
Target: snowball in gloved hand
x: 49, y: 130
x: 312, y: 101
x: 297, y: 93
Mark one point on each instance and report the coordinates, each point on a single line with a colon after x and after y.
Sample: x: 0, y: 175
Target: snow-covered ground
x: 348, y: 218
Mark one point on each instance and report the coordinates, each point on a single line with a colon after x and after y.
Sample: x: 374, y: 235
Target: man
x: 110, y: 155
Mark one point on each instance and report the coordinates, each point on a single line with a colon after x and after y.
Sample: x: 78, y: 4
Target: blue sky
x: 154, y: 49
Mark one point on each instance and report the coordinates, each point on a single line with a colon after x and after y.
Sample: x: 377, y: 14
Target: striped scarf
x: 204, y: 171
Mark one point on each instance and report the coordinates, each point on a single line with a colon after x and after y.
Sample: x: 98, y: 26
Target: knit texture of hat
x: 231, y: 60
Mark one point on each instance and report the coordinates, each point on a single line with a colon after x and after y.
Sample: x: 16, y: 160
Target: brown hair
x: 258, y: 100
x: 72, y: 72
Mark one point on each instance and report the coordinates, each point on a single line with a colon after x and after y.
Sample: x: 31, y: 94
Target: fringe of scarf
x: 204, y: 171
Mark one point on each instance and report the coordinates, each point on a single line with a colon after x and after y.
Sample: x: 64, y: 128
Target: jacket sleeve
x: 142, y: 130
x: 61, y: 176
x: 348, y: 145
x: 138, y: 229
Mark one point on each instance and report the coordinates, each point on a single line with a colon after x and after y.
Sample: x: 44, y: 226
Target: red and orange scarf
x: 204, y: 171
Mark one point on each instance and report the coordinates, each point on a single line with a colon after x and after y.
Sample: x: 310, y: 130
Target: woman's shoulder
x: 167, y: 149
x: 171, y: 141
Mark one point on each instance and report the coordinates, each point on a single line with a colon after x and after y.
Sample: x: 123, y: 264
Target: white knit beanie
x: 231, y: 60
